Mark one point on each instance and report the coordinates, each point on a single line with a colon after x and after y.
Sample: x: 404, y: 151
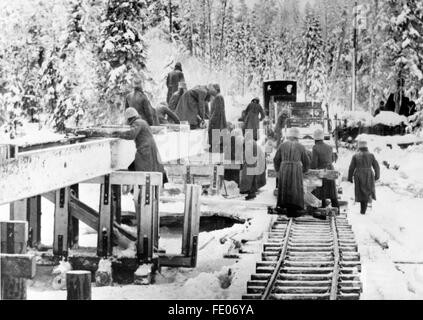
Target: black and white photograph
x: 211, y: 150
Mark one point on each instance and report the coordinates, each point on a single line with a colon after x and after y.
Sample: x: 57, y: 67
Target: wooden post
x: 78, y: 285
x: 105, y: 231
x: 191, y: 222
x: 61, y: 222
x: 156, y: 217
x: 145, y: 221
x: 14, y: 238
x: 116, y: 202
x: 28, y: 210
x: 74, y: 222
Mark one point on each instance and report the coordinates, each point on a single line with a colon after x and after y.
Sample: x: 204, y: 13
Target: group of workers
x: 291, y: 161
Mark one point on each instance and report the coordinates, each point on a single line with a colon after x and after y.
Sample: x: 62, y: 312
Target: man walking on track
x: 361, y: 167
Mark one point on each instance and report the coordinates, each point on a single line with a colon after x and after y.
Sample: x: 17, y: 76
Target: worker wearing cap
x: 365, y: 170
x: 173, y: 102
x: 323, y: 158
x: 291, y: 161
x: 147, y: 157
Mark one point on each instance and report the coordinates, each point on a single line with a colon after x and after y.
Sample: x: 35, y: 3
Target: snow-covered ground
x: 389, y: 236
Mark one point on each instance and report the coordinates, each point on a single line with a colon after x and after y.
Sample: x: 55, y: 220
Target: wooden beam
x: 146, y: 221
x: 130, y: 178
x: 78, y: 210
x: 37, y: 172
x: 13, y: 236
x: 61, y: 222
x: 177, y: 260
x: 105, y: 225
x: 191, y: 222
x: 74, y: 222
x: 34, y: 221
x: 18, y: 265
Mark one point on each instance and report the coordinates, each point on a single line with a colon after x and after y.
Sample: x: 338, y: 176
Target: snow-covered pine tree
x: 123, y: 49
x: 311, y: 68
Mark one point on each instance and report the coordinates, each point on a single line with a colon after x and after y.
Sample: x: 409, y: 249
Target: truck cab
x: 279, y: 95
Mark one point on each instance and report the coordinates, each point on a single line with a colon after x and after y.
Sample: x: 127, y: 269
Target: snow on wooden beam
x: 40, y: 171
x: 36, y: 172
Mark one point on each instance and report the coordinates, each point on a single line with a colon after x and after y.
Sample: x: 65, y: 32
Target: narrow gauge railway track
x: 307, y: 258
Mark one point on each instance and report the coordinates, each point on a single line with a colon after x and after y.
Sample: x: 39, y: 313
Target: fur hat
x: 131, y: 113
x: 318, y: 134
x: 293, y: 133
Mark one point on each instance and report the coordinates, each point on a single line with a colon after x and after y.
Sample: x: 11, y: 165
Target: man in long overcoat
x: 291, y: 162
x: 192, y: 106
x: 147, y: 157
x: 283, y: 120
x: 139, y: 101
x: 365, y: 170
x: 253, y: 115
x: 217, y: 115
x: 322, y: 158
x: 174, y: 100
x: 173, y: 79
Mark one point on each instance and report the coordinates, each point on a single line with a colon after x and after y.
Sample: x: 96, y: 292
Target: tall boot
x: 363, y: 205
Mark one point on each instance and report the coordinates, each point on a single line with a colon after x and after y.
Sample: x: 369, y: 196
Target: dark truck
x: 282, y: 94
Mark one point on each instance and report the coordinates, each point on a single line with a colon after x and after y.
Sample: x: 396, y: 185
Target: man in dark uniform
x: 147, y: 157
x: 360, y: 169
x: 291, y: 162
x: 173, y: 79
x: 322, y: 158
x: 139, y: 101
x: 174, y: 100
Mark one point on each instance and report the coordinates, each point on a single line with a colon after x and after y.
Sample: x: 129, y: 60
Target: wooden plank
x: 18, y: 265
x: 19, y: 210
x: 78, y: 210
x: 177, y: 260
x: 117, y: 202
x: 200, y: 170
x: 13, y: 236
x: 74, y: 222
x: 145, y: 223
x: 34, y: 221
x: 130, y: 178
x: 31, y: 174
x: 191, y: 220
x: 156, y: 217
x: 61, y: 222
x: 105, y: 225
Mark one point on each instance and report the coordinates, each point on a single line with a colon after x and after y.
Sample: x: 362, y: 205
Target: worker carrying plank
x: 193, y: 106
x: 322, y: 158
x: 147, y: 157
